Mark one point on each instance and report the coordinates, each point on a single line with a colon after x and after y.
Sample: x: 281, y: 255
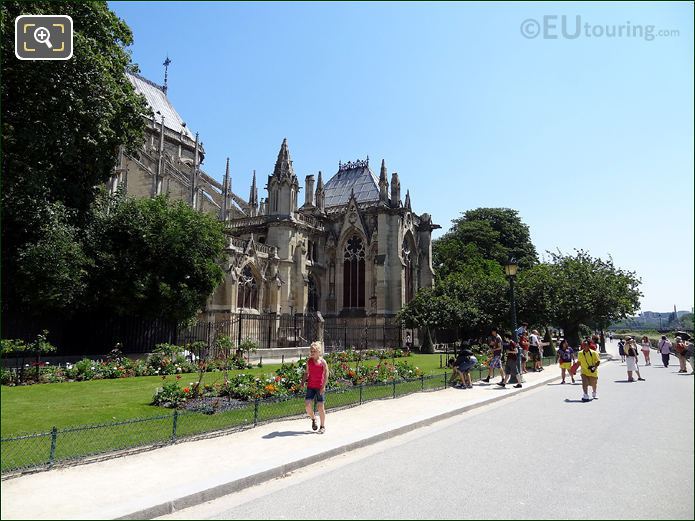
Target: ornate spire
x: 253, y: 196
x: 320, y: 195
x: 283, y: 165
x: 224, y: 207
x: 407, y: 199
x: 383, y: 184
x: 166, y: 74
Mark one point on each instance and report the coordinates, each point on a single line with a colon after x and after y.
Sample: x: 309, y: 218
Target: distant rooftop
x: 352, y: 176
x: 158, y: 101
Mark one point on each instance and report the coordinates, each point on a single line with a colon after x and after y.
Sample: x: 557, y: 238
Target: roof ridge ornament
x: 351, y: 165
x: 166, y: 63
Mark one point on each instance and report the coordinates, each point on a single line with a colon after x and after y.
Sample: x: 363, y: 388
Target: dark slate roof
x: 352, y: 176
x: 158, y: 101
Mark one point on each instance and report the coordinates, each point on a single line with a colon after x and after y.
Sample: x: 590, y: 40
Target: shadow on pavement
x: 567, y: 400
x: 282, y: 434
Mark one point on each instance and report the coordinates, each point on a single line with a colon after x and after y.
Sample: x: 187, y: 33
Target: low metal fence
x: 43, y: 450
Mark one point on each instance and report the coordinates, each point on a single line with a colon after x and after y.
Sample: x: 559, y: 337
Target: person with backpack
x: 565, y: 357
x: 631, y: 360
x: 510, y: 367
x: 681, y: 353
x: 621, y: 350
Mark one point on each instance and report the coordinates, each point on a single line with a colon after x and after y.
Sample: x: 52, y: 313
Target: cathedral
x: 349, y: 247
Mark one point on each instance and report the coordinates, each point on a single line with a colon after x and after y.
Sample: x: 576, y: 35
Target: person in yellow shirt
x: 589, y: 361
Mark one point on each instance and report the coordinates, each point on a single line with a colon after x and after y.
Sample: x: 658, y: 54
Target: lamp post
x: 510, y: 271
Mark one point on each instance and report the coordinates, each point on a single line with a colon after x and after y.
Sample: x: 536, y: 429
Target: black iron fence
x: 44, y: 450
x: 367, y: 333
x: 98, y: 335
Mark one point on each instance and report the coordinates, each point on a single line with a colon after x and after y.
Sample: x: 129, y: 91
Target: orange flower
x: 186, y: 390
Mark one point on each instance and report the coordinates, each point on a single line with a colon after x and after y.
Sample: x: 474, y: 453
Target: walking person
x: 681, y: 349
x: 408, y: 342
x: 565, y: 357
x: 316, y: 378
x: 535, y: 351
x: 510, y: 367
x: 589, y: 361
x: 631, y: 356
x: 496, y: 361
x: 665, y: 349
x: 621, y: 349
x: 524, y: 344
x: 646, y: 348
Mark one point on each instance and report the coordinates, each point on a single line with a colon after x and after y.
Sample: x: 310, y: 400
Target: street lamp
x: 510, y: 271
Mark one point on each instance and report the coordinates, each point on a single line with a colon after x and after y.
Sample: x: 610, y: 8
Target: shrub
x: 169, y: 359
x: 171, y: 395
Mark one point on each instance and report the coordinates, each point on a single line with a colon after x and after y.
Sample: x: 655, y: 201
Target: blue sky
x: 589, y: 138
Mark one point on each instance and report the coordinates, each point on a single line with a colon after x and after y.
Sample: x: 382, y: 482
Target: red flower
x: 277, y: 378
x: 186, y: 390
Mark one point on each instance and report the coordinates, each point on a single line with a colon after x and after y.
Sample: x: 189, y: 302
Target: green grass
x: 40, y: 407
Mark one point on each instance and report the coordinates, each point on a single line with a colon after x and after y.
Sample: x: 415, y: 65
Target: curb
x: 197, y: 498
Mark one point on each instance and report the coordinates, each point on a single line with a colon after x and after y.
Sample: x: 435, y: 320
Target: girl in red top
x: 316, y: 377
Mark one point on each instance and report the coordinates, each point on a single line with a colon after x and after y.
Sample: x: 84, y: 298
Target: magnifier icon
x: 42, y: 35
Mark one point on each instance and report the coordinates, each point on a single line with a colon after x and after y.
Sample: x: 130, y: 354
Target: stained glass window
x: 353, y: 273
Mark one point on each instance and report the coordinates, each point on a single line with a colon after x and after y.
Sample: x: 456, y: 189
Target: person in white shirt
x: 665, y: 349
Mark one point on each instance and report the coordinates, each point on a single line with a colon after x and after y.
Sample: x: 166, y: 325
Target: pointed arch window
x: 313, y: 300
x: 353, y: 273
x: 407, y: 255
x: 247, y: 292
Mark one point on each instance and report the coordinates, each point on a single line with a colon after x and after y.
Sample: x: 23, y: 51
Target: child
x: 565, y: 357
x: 495, y: 361
x: 316, y: 377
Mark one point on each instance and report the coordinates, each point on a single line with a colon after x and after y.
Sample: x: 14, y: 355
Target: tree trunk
x: 427, y: 345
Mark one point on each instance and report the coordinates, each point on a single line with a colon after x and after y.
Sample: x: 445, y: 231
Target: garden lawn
x: 40, y: 407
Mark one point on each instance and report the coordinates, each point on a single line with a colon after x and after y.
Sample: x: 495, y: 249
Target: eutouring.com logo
x: 554, y: 27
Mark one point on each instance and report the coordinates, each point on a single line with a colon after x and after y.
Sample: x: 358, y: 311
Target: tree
x: 590, y: 291
x: 52, y: 271
x: 153, y: 258
x: 495, y: 233
x: 428, y: 310
x: 62, y: 125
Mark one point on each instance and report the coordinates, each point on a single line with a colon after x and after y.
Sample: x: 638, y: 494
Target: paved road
x: 627, y: 455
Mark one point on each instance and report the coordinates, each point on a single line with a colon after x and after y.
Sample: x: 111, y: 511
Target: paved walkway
x: 164, y: 480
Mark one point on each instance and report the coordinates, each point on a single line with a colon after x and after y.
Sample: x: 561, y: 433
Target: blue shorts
x: 496, y: 363
x: 314, y: 394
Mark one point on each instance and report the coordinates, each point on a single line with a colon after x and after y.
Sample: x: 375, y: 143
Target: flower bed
x: 287, y: 380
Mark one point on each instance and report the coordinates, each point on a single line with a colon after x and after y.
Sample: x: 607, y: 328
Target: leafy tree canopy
x: 495, y: 233
x: 152, y: 258
x: 62, y: 125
